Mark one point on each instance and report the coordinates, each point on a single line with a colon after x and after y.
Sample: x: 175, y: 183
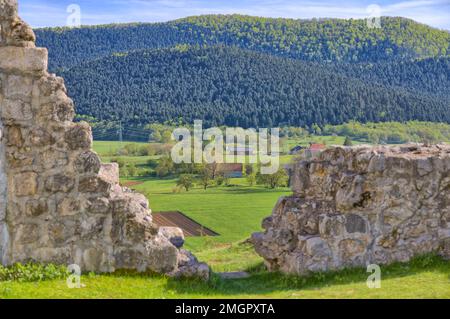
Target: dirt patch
x: 177, y: 219
x: 132, y: 183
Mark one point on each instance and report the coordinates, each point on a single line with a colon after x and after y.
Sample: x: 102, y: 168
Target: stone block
x: 36, y: 208
x: 93, y: 184
x: 25, y: 184
x: 110, y: 173
x: 59, y: 183
x: 22, y: 60
x: 69, y: 206
x: 174, y: 234
x: 79, y: 136
x: 88, y: 162
x: 16, y: 110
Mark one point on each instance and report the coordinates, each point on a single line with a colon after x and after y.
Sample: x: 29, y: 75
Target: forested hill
x: 232, y: 86
x: 255, y: 72
x: 324, y: 40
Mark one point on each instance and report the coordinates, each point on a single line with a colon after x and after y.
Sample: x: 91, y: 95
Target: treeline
x: 234, y: 87
x: 392, y: 132
x: 323, y: 40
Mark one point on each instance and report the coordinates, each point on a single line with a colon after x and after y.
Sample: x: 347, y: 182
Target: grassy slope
x: 423, y: 278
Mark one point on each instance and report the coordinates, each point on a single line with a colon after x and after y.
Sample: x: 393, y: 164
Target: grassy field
x: 107, y: 148
x: 217, y: 208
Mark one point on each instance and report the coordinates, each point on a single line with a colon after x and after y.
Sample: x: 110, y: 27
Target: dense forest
x: 235, y: 87
x: 323, y: 40
x: 250, y: 71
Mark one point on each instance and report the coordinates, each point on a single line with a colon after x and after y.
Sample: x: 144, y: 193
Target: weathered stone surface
x: 79, y: 136
x: 35, y: 208
x: 110, y: 173
x: 88, y: 162
x: 23, y: 60
x: 16, y: 110
x: 361, y: 205
x: 59, y: 183
x: 25, y: 184
x: 8, y: 9
x: 14, y: 136
x: 58, y: 204
x: 94, y: 184
x: 174, y: 235
x: 68, y: 206
x: 18, y: 87
x: 27, y: 234
x: 41, y: 137
x: 18, y: 33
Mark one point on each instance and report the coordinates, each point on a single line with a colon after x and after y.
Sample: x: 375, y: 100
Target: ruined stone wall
x: 359, y: 206
x: 58, y: 203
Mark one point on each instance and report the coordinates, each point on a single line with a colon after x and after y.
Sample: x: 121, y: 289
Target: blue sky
x: 40, y: 13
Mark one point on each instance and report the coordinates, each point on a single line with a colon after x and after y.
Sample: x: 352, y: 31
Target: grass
x: 424, y: 277
x: 108, y: 148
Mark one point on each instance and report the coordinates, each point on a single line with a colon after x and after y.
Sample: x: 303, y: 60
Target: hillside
x: 231, y: 86
x: 324, y: 40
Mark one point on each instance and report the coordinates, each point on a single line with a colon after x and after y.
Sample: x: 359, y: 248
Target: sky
x: 47, y: 13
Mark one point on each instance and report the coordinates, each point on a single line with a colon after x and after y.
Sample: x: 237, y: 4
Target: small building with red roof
x: 314, y: 150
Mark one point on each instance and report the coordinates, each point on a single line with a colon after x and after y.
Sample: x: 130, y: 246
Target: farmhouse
x: 231, y: 170
x: 314, y: 150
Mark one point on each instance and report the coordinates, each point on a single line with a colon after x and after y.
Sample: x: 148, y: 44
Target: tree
x: 119, y: 161
x: 348, y: 141
x: 205, y: 176
x: 132, y: 169
x: 165, y: 167
x: 248, y: 169
x: 166, y: 136
x: 156, y: 136
x: 214, y: 168
x: 251, y: 179
x: 123, y: 171
x: 185, y: 181
x: 275, y: 180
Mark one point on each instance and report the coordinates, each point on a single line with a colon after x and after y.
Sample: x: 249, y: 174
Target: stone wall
x: 58, y: 203
x: 359, y: 206
x: 3, y: 195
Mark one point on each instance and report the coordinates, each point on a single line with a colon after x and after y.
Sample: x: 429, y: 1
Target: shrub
x: 32, y: 272
x: 185, y: 181
x: 119, y: 161
x: 132, y: 170
x: 278, y: 179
